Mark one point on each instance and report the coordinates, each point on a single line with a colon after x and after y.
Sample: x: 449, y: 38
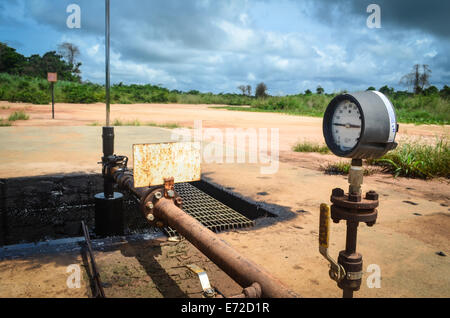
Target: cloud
x: 219, y: 45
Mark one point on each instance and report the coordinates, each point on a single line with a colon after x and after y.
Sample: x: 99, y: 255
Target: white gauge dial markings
x: 347, y: 124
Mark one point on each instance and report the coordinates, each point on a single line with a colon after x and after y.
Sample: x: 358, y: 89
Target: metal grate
x: 211, y: 213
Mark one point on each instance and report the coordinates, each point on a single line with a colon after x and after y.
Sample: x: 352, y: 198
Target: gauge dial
x: 346, y: 125
x: 360, y: 125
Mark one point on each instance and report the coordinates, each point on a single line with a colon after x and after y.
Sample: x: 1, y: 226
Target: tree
x: 36, y: 66
x: 69, y: 51
x: 445, y: 92
x: 10, y: 60
x: 243, y: 89
x: 320, y: 90
x: 261, y: 90
x: 424, y: 79
x: 371, y: 88
x: 249, y: 90
x: 432, y: 90
x: 308, y: 92
x: 416, y: 79
x: 386, y: 90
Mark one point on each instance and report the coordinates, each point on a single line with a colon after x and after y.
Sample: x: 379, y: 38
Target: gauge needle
x: 347, y: 125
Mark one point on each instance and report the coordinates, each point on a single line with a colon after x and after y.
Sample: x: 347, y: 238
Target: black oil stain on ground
x: 410, y: 202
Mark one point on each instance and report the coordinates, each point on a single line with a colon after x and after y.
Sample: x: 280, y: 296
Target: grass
x: 118, y: 122
x: 417, y: 109
x: 408, y: 160
x: 418, y: 161
x: 167, y: 125
x: 343, y: 168
x: 4, y: 123
x: 307, y: 146
x: 18, y: 115
x: 410, y: 108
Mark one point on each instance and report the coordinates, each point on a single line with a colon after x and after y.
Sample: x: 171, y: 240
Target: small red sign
x: 52, y: 77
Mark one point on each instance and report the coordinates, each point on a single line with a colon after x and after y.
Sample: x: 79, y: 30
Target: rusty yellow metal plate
x: 154, y: 162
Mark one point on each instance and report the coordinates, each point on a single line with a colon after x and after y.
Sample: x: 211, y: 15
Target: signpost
x: 52, y: 78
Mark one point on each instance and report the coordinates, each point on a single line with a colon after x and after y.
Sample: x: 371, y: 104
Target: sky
x: 217, y: 45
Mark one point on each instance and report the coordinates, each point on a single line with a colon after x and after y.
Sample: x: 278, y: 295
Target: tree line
x: 418, y: 80
x: 62, y: 62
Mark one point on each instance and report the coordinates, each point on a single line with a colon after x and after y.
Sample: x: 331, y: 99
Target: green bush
x: 18, y: 115
x: 418, y: 161
x: 311, y: 147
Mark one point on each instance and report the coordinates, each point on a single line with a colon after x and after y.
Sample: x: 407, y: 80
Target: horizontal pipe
x: 242, y: 270
x: 124, y: 179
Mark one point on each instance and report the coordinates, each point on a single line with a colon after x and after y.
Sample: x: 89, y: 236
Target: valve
x: 352, y: 208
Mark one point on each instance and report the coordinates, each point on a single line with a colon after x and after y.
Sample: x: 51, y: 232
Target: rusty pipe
x: 240, y: 269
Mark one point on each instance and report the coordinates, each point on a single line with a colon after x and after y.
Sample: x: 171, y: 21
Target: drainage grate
x: 211, y: 213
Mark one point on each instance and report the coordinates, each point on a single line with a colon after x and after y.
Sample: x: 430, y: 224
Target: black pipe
x: 108, y: 151
x: 109, y: 204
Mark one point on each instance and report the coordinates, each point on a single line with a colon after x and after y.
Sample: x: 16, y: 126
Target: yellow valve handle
x: 324, y: 226
x: 337, y: 272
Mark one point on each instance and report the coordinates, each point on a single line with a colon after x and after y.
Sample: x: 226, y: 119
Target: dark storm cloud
x: 215, y: 45
x: 429, y: 16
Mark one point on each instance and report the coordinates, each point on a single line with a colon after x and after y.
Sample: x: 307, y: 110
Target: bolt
x: 158, y: 195
x: 179, y: 201
x: 171, y: 193
x: 149, y: 206
x: 337, y: 192
x: 150, y: 217
x: 372, y: 195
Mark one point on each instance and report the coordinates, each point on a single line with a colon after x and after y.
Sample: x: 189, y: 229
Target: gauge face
x: 360, y: 125
x: 346, y: 125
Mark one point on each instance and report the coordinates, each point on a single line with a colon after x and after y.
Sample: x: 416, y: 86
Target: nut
x: 337, y: 192
x: 179, y: 201
x: 372, y: 195
x: 170, y: 193
x: 158, y: 195
x: 150, y: 217
x: 149, y: 206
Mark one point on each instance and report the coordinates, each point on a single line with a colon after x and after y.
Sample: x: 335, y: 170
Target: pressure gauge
x: 360, y: 125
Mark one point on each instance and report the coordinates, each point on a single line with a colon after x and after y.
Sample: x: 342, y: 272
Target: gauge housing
x: 378, y: 125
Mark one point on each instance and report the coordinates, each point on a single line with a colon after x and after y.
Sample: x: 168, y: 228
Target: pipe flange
x: 149, y: 201
x: 253, y: 291
x: 355, y: 201
x: 367, y: 216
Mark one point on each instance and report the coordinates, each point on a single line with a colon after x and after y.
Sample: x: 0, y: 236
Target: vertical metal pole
x: 107, y: 44
x: 108, y: 132
x: 53, y: 100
